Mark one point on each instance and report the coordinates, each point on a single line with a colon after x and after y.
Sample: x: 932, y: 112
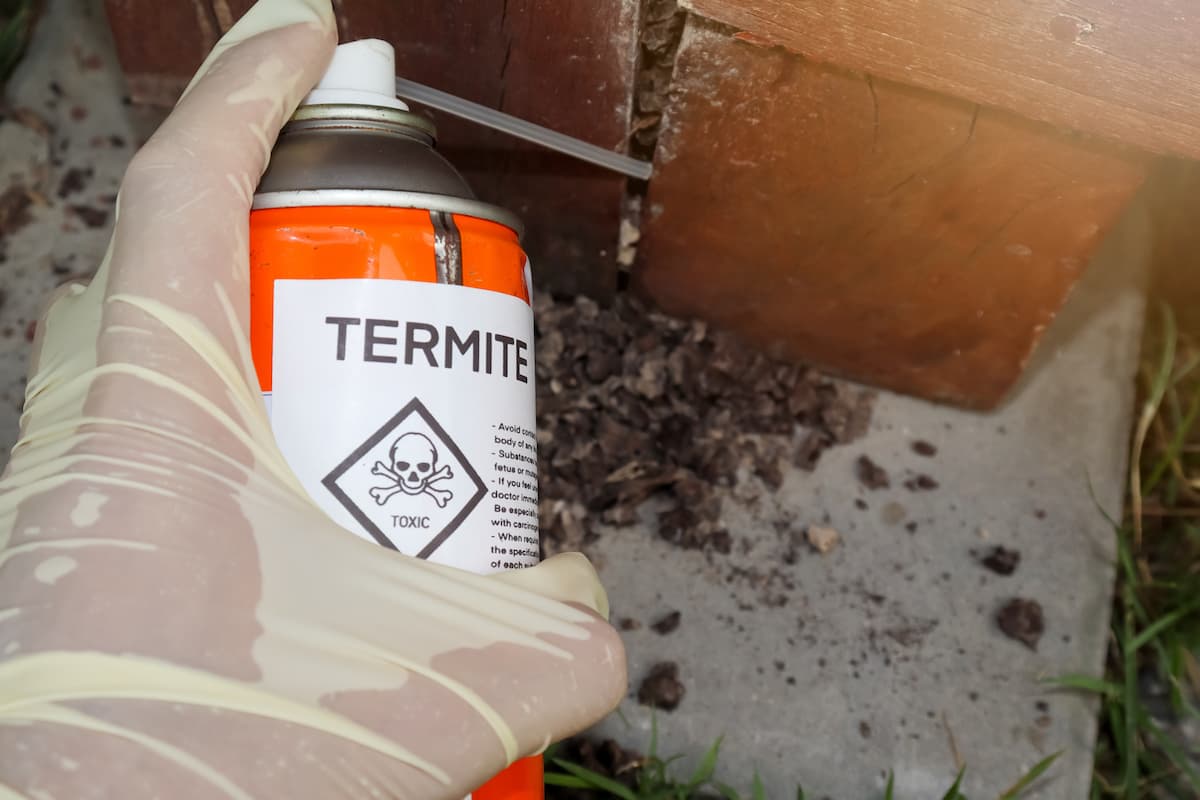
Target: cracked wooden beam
x: 891, y: 234
x: 1126, y: 71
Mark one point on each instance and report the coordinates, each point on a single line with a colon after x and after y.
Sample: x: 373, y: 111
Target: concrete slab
x: 65, y: 116
x: 884, y: 654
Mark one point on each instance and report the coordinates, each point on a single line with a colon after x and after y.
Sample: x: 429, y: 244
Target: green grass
x: 653, y: 779
x: 1156, y: 608
x: 16, y: 18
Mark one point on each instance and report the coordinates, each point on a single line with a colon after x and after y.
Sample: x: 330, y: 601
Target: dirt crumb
x: 823, y: 540
x: 74, y: 180
x: 629, y: 624
x: 920, y: 483
x: 606, y: 758
x: 15, y: 202
x: 662, y: 688
x: 893, y: 513
x: 870, y: 474
x: 91, y: 217
x: 635, y: 406
x: 864, y: 729
x: 911, y: 634
x: 1002, y: 560
x: 667, y: 624
x: 1021, y: 619
x: 924, y: 448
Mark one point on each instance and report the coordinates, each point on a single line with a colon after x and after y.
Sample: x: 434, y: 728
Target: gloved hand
x: 177, y: 619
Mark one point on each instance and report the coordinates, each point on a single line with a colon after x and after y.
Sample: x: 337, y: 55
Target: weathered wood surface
x: 568, y: 66
x: 1124, y: 69
x: 891, y: 234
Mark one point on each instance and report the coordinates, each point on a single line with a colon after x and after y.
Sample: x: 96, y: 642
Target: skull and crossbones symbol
x: 414, y: 470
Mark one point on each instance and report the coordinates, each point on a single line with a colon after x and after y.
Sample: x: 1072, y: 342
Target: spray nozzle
x: 361, y: 73
x: 364, y: 73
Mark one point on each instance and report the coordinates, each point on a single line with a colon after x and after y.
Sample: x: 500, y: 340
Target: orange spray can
x: 392, y: 334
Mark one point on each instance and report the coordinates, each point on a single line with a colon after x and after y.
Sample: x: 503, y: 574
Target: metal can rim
x: 386, y: 198
x: 350, y: 113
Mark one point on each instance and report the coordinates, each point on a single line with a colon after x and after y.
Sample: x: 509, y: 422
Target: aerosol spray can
x: 392, y: 333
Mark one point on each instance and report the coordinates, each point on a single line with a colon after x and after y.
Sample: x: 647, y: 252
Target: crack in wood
x: 875, y: 112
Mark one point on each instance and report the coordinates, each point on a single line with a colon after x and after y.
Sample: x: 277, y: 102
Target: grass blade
x: 1178, y: 758
x: 1129, y: 697
x: 1162, y: 623
x: 889, y: 793
x: 1085, y: 683
x: 726, y: 791
x: 708, y: 765
x: 952, y: 793
x: 1158, y: 388
x: 596, y: 781
x: 757, y: 790
x: 566, y: 781
x: 13, y: 38
x: 1036, y: 772
x: 1174, y: 448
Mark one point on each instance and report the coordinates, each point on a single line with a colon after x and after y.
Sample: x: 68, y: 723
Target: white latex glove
x: 177, y: 619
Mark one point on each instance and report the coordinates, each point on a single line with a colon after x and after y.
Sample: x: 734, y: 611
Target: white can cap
x: 362, y: 73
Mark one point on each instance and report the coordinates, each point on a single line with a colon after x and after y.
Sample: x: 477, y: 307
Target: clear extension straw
x: 505, y: 123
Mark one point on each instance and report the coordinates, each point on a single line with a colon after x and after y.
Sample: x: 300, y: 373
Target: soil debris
x: 823, y: 540
x: 15, y: 202
x: 924, y: 448
x: 870, y: 474
x: 893, y: 513
x: 662, y: 688
x: 634, y: 405
x: 920, y: 483
x: 667, y: 624
x: 1022, y: 619
x: 92, y: 217
x: 74, y: 180
x: 629, y: 624
x: 661, y: 31
x: 606, y: 758
x: 1001, y: 560
x: 911, y: 634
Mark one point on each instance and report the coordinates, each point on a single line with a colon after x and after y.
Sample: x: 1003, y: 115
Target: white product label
x: 407, y: 411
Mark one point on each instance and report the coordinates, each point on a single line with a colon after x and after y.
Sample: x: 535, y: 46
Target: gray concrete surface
x: 63, y: 111
x: 885, y: 654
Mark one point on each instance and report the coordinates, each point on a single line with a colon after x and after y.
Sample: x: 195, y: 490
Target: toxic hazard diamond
x: 414, y: 470
x: 409, y: 485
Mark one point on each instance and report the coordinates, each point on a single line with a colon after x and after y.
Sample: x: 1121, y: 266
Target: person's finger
x: 568, y: 578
